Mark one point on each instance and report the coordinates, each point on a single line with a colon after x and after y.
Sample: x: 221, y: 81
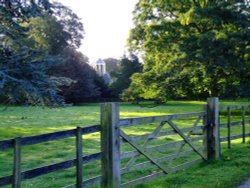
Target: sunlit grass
x: 228, y: 172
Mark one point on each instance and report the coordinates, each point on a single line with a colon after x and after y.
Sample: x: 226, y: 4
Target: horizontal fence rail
x: 161, y: 146
x: 151, y: 119
x: 234, y: 107
x: 29, y: 174
x: 229, y: 112
x: 232, y: 124
x: 37, y: 139
x: 234, y: 137
x: 166, y: 133
x: 43, y: 138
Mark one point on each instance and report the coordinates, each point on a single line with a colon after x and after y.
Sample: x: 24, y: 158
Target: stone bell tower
x: 100, y: 67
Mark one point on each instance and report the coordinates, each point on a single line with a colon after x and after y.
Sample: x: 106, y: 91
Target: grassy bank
x: 229, y: 172
x: 23, y: 121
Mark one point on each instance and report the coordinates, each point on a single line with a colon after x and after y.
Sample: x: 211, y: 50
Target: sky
x: 106, y: 24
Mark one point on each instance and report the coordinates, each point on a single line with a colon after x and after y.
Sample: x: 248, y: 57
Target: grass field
x: 23, y: 121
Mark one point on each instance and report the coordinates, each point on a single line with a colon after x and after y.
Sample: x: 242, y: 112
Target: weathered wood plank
x: 159, y: 160
x: 92, y: 181
x: 31, y: 140
x: 165, y: 133
x: 141, y: 150
x: 159, y: 147
x: 243, y: 124
x: 155, y: 133
x: 151, y: 119
x: 6, y: 144
x: 6, y: 180
x: 232, y: 124
x: 17, y: 163
x: 186, y: 139
x: 234, y: 107
x: 29, y: 174
x: 87, y: 183
x: 234, y: 137
x: 36, y: 139
x: 228, y: 127
x: 110, y: 145
x: 158, y: 174
x: 142, y: 180
x: 79, y: 154
x: 213, y: 129
x: 204, y: 131
x: 91, y: 129
x: 185, y: 165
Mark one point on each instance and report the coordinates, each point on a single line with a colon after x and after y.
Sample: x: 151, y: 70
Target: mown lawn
x: 229, y: 172
x: 23, y: 121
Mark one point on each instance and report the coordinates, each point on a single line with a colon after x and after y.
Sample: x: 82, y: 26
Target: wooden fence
x: 19, y: 142
x: 240, y: 111
x: 202, y: 139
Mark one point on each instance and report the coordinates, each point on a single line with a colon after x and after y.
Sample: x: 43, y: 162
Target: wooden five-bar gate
x: 201, y: 141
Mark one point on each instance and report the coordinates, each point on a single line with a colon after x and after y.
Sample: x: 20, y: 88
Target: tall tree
x: 112, y: 64
x: 85, y: 80
x: 191, y: 47
x: 121, y: 76
x: 23, y: 67
x: 56, y: 32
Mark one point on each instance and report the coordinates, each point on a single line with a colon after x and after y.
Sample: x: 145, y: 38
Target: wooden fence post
x: 110, y: 145
x: 79, y: 161
x: 228, y: 127
x: 213, y: 129
x: 204, y: 130
x: 17, y: 163
x: 243, y: 125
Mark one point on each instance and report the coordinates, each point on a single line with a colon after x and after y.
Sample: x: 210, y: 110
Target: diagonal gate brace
x: 185, y: 138
x: 155, y: 133
x: 140, y: 150
x: 182, y: 145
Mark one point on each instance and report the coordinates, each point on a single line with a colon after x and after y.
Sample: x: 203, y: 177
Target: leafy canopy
x: 121, y: 75
x: 30, y: 33
x: 191, y: 48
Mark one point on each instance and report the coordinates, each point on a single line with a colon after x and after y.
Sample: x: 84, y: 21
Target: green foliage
x: 48, y: 34
x: 191, y: 48
x: 59, y: 36
x: 86, y: 81
x: 30, y: 33
x: 55, y: 32
x: 112, y: 64
x: 24, y: 77
x: 121, y: 76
